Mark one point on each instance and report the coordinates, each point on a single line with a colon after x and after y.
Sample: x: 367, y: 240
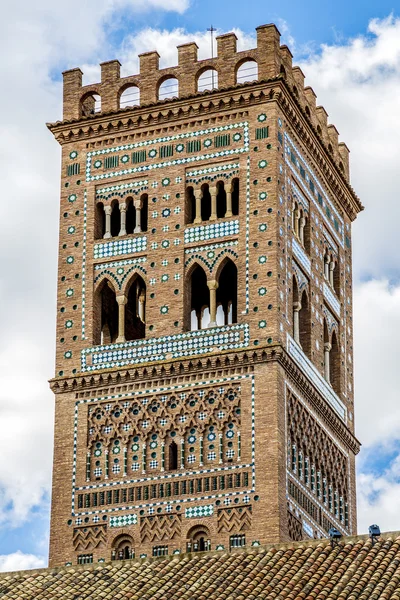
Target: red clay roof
x: 354, y: 569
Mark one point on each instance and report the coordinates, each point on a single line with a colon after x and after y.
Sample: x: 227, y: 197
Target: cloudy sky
x: 350, y: 53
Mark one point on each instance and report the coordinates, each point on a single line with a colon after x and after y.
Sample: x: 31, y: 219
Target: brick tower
x: 204, y: 373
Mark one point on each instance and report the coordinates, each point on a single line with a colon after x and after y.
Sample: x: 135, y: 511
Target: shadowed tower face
x: 204, y: 374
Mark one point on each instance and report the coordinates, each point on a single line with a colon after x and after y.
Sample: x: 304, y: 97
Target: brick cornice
x: 158, y: 375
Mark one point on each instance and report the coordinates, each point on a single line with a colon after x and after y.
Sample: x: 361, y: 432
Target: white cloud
x: 358, y: 82
x: 376, y: 327
x: 379, y: 498
x: 18, y: 561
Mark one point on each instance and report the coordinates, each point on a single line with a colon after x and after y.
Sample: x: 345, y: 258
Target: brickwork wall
x: 277, y: 143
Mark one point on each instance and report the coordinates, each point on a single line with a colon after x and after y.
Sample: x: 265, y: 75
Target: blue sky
x: 350, y: 53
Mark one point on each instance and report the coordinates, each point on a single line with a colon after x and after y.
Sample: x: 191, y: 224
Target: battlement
x: 192, y: 76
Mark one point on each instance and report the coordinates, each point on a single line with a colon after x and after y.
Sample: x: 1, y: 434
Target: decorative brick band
x: 214, y: 231
x: 172, y: 346
x: 194, y: 512
x: 123, y: 520
x: 118, y: 247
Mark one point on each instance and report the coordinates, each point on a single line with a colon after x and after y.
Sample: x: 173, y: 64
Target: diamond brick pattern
x: 199, y: 511
x: 123, y: 520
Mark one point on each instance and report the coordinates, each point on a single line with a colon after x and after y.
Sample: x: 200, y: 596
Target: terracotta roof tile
x: 353, y: 570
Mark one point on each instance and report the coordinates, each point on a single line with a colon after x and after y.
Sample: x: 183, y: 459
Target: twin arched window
x: 122, y: 318
x: 301, y: 319
x: 331, y: 358
x: 212, y: 303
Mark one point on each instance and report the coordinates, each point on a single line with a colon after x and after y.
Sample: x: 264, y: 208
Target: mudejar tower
x: 204, y: 372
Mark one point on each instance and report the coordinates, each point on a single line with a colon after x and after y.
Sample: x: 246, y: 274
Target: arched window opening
x: 295, y: 91
x: 327, y: 350
x: 198, y: 539
x: 99, y: 221
x: 130, y: 97
x: 296, y: 311
x: 169, y: 88
x: 130, y: 216
x: 144, y: 212
x: 199, y: 300
x: 308, y: 113
x: 115, y: 219
x: 105, y: 326
x: 336, y: 279
x: 135, y: 310
x: 221, y: 200
x: 335, y: 364
x: 330, y: 148
x: 91, y: 105
x: 296, y: 218
x: 205, y: 202
x: 227, y: 292
x: 172, y: 457
x: 208, y: 80
x: 327, y: 260
x: 341, y: 166
x: 190, y: 206
x: 305, y: 325
x: 123, y: 548
x: 248, y: 71
x: 306, y: 233
x: 235, y: 196
x: 283, y: 71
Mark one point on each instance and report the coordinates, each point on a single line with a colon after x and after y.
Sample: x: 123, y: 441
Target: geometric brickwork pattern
x: 86, y: 539
x: 312, y: 569
x: 315, y: 460
x: 295, y: 527
x: 234, y: 519
x: 123, y: 520
x: 194, y: 512
x: 157, y: 528
x: 134, y: 436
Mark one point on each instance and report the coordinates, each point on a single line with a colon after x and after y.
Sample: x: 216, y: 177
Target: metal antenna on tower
x: 211, y: 30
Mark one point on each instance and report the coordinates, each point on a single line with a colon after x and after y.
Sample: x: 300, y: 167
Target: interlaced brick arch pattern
x: 206, y: 423
x: 317, y: 446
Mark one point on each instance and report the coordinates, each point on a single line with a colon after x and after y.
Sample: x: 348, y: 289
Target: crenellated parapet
x: 230, y: 68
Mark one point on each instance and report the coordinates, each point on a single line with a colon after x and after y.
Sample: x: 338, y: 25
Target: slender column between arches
x: 122, y: 300
x: 326, y: 267
x: 228, y: 190
x: 142, y: 304
x: 213, y: 286
x: 331, y: 269
x: 296, y: 322
x: 213, y: 194
x: 198, y: 194
x: 327, y: 350
x: 301, y: 231
x: 107, y: 212
x: 138, y: 207
x: 122, y: 208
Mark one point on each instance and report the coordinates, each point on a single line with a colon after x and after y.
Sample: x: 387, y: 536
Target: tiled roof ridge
x: 359, y: 543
